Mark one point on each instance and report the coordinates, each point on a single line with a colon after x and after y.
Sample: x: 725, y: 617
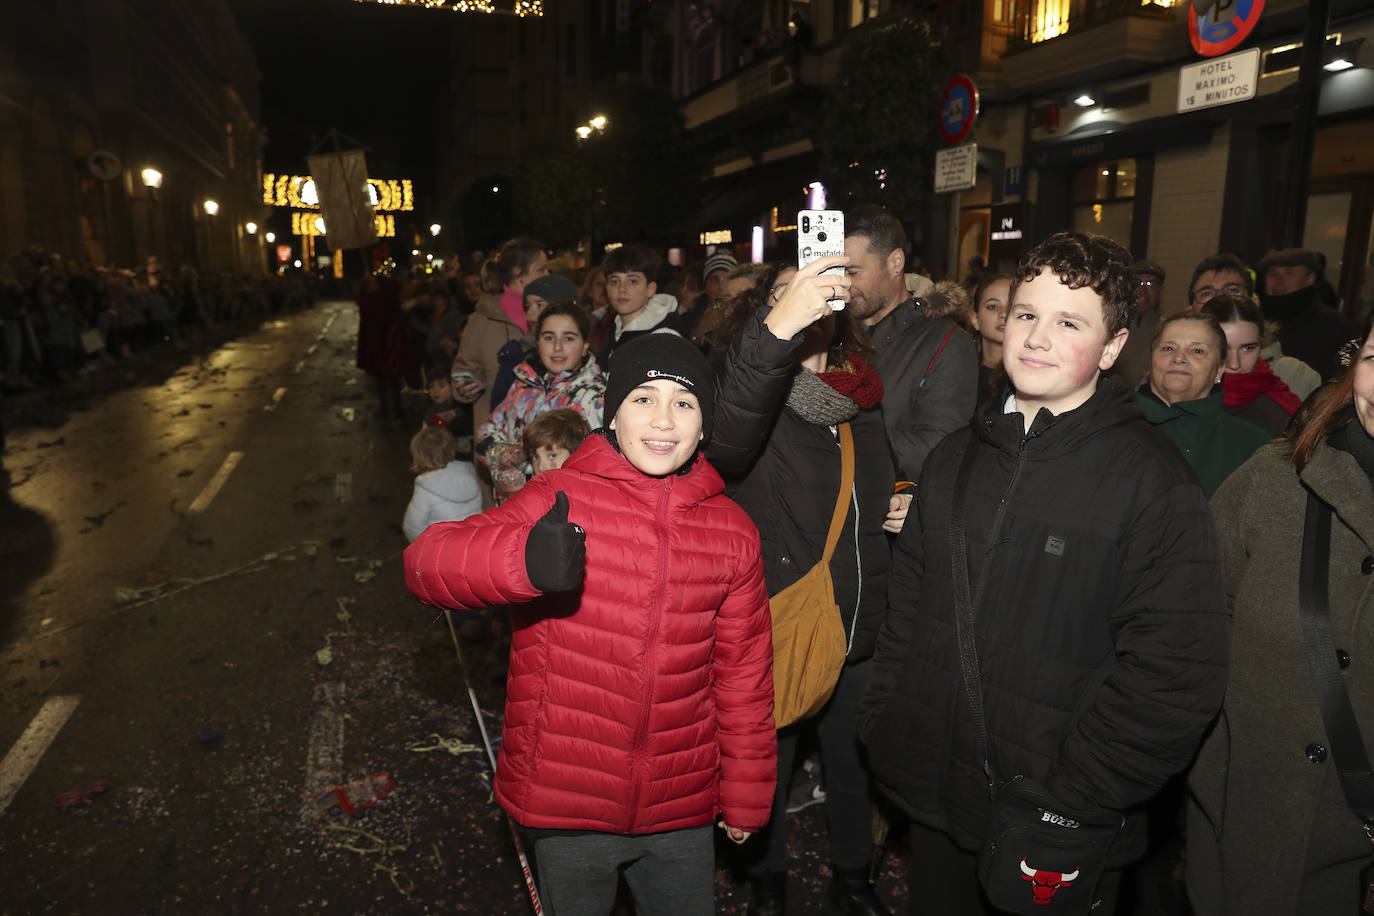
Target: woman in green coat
x: 1184, y: 400
x: 1268, y: 827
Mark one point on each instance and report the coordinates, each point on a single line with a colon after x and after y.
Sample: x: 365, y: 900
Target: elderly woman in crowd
x: 1269, y: 827
x: 1183, y: 398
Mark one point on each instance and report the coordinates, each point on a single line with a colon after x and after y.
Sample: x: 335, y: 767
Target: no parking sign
x: 1218, y: 26
x: 958, y: 108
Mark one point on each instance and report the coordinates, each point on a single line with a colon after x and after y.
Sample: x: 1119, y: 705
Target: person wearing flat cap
x: 639, y: 711
x: 1133, y: 364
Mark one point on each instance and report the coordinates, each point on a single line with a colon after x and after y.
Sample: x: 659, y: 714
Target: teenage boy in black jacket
x: 1099, y: 615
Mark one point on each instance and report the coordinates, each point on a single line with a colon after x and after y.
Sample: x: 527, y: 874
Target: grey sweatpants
x: 670, y: 873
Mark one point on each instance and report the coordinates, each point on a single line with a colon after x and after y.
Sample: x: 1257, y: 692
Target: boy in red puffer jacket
x: 639, y: 700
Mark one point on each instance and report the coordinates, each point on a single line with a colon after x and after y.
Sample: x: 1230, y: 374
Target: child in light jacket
x: 446, y: 490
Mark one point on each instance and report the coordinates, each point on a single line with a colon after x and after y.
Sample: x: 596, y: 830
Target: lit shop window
x: 1104, y: 199
x: 1046, y: 19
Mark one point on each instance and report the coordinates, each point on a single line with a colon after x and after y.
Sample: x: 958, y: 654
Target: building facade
x: 515, y: 84
x: 1083, y: 129
x: 95, y: 92
x: 1079, y: 128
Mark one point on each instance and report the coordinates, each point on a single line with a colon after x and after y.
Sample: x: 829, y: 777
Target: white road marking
x: 32, y: 745
x: 324, y: 750
x: 212, y: 488
x: 276, y: 399
x: 311, y: 351
x: 343, y: 487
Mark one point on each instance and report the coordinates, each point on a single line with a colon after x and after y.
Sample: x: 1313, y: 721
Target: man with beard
x: 1308, y: 329
x: 928, y: 367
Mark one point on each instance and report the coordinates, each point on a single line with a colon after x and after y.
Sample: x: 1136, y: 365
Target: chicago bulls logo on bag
x: 1045, y: 883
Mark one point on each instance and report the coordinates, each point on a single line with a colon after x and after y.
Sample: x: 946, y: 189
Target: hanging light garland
x: 521, y: 8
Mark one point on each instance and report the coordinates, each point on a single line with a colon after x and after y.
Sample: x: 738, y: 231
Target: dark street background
x: 228, y: 664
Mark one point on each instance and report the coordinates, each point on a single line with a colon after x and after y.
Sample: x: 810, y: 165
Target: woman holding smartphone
x: 499, y: 317
x: 791, y: 373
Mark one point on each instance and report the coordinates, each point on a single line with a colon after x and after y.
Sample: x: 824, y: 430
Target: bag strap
x: 963, y: 610
x: 1338, y: 715
x: 832, y: 539
x: 931, y: 364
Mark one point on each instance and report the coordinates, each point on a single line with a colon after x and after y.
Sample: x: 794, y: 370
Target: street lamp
x: 211, y: 207
x: 251, y: 227
x: 435, y: 228
x: 270, y: 237
x: 152, y: 180
x: 596, y: 124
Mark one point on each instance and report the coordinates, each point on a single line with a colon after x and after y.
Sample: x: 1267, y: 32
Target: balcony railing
x: 1041, y: 20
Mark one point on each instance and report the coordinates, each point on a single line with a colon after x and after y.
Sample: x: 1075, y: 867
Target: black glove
x: 556, y: 552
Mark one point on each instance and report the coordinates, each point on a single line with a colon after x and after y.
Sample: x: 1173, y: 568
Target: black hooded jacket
x: 785, y: 472
x: 1309, y: 329
x: 1101, y: 633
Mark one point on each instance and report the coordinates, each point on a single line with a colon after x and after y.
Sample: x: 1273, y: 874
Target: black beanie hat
x: 662, y: 354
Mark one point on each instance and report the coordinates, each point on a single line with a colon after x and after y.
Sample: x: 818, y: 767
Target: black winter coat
x: 930, y: 381
x: 785, y: 473
x: 1101, y: 634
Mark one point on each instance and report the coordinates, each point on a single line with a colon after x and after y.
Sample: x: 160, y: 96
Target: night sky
x: 369, y: 70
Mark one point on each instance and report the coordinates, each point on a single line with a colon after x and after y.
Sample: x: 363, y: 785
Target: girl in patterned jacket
x: 561, y: 373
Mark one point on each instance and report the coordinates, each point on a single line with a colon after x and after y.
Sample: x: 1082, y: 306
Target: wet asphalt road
x: 224, y: 659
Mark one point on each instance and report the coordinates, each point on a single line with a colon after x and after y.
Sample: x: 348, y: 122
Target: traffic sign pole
x: 1304, y: 125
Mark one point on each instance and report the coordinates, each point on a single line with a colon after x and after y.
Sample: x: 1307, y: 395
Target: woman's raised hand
x: 804, y: 302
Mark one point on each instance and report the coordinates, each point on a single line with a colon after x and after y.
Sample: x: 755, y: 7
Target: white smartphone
x: 820, y: 234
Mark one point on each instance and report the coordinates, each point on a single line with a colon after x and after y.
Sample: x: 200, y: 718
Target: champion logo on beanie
x: 681, y: 380
x: 664, y: 354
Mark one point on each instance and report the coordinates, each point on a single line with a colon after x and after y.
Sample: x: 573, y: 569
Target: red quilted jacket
x: 643, y: 702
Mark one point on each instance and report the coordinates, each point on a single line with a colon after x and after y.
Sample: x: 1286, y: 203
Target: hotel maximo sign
x: 1219, y: 26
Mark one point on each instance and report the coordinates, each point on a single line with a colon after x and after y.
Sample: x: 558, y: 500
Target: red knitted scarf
x: 856, y: 380
x: 1240, y: 388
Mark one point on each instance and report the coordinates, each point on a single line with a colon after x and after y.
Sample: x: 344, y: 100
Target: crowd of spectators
x: 60, y: 317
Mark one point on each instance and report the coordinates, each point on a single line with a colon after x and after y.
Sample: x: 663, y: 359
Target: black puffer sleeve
x: 751, y: 383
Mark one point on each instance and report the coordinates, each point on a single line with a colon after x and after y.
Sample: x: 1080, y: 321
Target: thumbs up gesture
x: 556, y: 552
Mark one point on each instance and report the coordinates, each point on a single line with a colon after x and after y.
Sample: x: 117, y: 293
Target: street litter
x: 325, y: 656
x: 454, y: 746
x: 340, y: 800
x: 155, y: 574
x: 367, y: 570
x: 209, y: 739
x: 380, y: 847
x: 83, y: 794
x: 136, y: 597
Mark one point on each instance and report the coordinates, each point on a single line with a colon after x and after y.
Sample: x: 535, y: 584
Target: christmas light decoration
x: 298, y: 192
x: 309, y: 224
x: 521, y: 8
